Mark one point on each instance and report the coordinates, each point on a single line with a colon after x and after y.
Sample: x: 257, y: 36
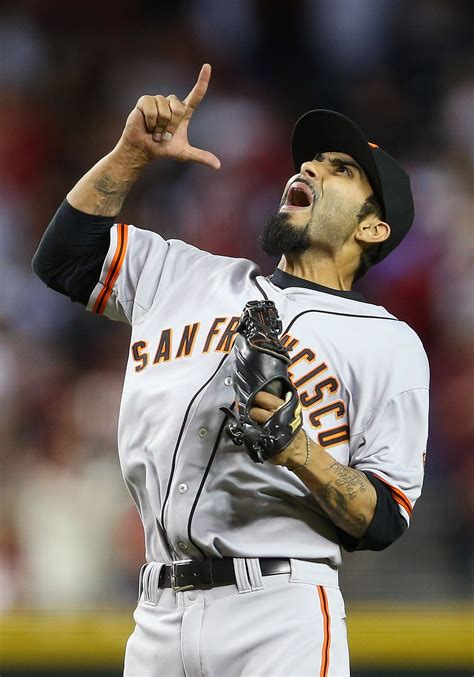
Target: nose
x: 311, y: 170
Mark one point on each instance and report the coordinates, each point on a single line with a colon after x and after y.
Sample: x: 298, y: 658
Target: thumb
x: 204, y: 157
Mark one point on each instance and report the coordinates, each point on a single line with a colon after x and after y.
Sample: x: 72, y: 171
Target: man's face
x: 319, y: 206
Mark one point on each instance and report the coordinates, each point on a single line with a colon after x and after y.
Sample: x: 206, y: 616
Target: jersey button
x: 182, y: 545
x: 182, y: 488
x: 202, y: 432
x: 228, y: 380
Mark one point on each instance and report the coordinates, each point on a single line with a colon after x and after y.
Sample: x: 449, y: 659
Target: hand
x: 265, y: 404
x: 158, y: 126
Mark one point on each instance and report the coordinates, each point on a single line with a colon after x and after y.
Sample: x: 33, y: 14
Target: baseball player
x: 242, y: 556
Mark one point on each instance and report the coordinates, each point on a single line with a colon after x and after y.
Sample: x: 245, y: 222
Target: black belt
x: 197, y: 573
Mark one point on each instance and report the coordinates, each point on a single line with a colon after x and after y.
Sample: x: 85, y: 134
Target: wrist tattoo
x: 111, y: 194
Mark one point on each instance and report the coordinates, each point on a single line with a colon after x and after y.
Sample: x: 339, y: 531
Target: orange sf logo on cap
x: 373, y: 145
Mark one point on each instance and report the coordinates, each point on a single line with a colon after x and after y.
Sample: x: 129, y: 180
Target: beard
x: 280, y: 237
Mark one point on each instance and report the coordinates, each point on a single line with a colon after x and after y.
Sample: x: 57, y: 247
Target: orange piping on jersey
x: 325, y: 652
x: 114, y: 270
x: 397, y: 495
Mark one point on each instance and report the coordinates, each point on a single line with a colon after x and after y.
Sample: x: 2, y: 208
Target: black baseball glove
x: 261, y: 363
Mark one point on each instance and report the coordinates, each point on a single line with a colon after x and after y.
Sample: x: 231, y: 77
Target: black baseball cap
x: 321, y: 131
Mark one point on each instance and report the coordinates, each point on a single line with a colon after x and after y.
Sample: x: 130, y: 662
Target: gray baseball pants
x: 288, y: 624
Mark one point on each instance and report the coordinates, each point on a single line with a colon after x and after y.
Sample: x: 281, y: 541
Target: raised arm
x: 72, y: 251
x: 156, y: 128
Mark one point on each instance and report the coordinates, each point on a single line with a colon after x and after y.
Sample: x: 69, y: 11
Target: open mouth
x: 299, y: 195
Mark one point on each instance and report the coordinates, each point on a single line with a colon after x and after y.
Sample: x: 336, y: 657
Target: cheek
x: 328, y: 209
x: 334, y: 213
x: 344, y: 204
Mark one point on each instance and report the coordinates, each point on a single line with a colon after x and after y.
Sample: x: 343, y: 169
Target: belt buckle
x: 174, y: 576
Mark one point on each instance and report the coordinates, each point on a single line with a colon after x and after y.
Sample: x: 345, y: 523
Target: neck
x: 319, y: 268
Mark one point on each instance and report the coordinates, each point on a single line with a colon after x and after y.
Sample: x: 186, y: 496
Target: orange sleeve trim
x: 397, y: 495
x: 326, y: 647
x: 114, y: 270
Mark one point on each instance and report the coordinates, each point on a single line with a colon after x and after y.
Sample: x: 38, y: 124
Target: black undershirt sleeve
x: 387, y: 524
x: 72, y: 251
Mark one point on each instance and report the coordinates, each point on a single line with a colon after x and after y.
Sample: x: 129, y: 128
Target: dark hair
x: 369, y: 254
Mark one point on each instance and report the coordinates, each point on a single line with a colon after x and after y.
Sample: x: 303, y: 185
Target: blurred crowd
x: 69, y: 74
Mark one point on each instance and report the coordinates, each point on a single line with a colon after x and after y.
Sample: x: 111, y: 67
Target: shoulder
x: 397, y: 332
x: 213, y: 263
x: 397, y: 353
x: 182, y: 254
x: 386, y: 347
x: 401, y: 339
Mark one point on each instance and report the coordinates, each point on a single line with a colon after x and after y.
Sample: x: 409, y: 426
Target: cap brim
x: 321, y: 131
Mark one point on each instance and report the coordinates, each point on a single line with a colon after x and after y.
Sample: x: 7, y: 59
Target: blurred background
x: 70, y: 540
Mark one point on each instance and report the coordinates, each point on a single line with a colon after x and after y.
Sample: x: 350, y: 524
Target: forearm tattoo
x: 343, y: 499
x: 110, y: 194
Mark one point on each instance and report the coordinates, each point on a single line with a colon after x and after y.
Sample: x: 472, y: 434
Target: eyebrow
x: 339, y: 162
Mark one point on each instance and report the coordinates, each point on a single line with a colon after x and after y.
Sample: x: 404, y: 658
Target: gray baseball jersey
x: 361, y: 374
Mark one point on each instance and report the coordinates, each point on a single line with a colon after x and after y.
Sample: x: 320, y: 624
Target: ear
x: 372, y: 231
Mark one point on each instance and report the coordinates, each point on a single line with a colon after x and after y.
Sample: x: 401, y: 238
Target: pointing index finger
x: 198, y: 92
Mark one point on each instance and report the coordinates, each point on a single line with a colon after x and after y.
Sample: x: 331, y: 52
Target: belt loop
x: 255, y: 573
x: 241, y: 576
x: 151, y: 579
x: 140, y: 579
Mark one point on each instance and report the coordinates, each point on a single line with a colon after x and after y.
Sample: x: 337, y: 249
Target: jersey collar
x: 285, y: 280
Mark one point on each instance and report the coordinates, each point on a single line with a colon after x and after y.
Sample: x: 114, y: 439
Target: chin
x: 285, y: 234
